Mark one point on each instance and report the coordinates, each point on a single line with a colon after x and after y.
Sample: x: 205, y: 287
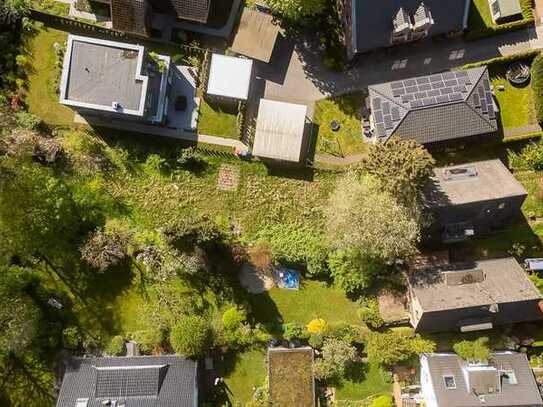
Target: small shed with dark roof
x: 471, y: 296
x: 471, y: 199
x: 141, y: 381
x: 434, y: 108
x: 256, y: 35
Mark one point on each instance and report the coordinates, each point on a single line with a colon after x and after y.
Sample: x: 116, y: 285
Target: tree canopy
x: 297, y: 9
x: 361, y: 216
x: 473, y: 351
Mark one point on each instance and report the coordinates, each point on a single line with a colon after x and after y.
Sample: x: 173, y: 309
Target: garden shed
x: 280, y: 131
x: 256, y: 35
x: 229, y: 77
x: 291, y: 378
x: 505, y: 10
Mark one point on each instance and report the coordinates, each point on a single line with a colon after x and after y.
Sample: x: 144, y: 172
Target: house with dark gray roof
x: 470, y: 200
x: 114, y: 79
x: 506, y: 380
x: 471, y: 296
x: 368, y: 25
x: 135, y: 16
x: 140, y: 381
x: 432, y: 109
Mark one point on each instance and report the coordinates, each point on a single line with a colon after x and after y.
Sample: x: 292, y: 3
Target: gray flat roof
x: 488, y: 180
x: 503, y: 281
x: 524, y: 393
x: 509, y: 8
x: 101, y: 74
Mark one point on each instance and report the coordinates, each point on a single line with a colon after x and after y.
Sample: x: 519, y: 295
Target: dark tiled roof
x: 131, y: 16
x: 496, y: 281
x: 525, y: 393
x: 434, y: 108
x: 373, y: 21
x: 141, y: 381
x: 193, y: 10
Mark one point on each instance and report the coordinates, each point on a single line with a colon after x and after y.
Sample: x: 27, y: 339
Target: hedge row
x: 521, y: 56
x: 500, y: 29
x: 537, y: 86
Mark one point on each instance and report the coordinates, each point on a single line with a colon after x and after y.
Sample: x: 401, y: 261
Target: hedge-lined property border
x: 527, y: 21
x: 527, y: 55
x: 537, y: 86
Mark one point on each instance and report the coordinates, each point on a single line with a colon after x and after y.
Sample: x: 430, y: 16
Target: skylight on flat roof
x: 449, y: 381
x: 450, y: 174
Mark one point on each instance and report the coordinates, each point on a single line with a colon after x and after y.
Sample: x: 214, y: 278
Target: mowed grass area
x: 364, y: 380
x: 313, y: 300
x: 516, y: 104
x: 346, y: 111
x: 479, y: 15
x: 41, y: 96
x: 242, y: 373
x: 216, y: 120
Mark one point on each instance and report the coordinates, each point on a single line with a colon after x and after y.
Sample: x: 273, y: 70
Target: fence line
x: 88, y: 28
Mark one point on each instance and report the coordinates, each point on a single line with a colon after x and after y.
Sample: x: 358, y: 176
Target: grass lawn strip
x: 364, y: 380
x: 41, y: 97
x: 216, y: 121
x: 346, y: 111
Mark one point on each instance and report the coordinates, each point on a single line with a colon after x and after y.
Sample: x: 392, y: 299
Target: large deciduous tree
x: 363, y: 217
x: 404, y: 167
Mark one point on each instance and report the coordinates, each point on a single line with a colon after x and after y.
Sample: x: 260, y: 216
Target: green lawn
x: 345, y: 110
x: 313, y: 300
x: 365, y: 380
x: 52, y: 7
x: 242, y: 373
x: 479, y: 15
x: 214, y: 120
x: 515, y: 103
x: 41, y: 96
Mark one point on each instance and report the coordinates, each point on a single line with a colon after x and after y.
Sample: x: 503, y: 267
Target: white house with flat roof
x: 229, y: 77
x: 115, y: 79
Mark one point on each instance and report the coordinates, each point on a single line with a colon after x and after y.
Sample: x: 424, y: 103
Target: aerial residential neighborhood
x: 287, y: 203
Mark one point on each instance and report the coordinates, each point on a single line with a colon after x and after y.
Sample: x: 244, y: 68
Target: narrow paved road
x: 297, y: 74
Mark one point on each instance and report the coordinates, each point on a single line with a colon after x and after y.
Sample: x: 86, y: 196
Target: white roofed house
x: 280, y: 131
x: 229, y: 78
x: 115, y: 80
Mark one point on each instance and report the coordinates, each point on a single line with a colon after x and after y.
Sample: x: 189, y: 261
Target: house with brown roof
x: 471, y: 296
x: 506, y: 380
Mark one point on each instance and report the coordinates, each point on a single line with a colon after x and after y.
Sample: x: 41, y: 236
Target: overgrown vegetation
x: 537, y: 86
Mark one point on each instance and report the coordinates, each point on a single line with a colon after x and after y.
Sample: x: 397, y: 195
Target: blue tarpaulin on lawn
x: 287, y: 278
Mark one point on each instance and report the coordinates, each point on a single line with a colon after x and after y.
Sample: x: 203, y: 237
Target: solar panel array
x: 483, y: 101
x: 432, y: 90
x: 127, y: 382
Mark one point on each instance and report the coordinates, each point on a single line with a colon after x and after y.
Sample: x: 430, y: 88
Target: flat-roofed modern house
x: 503, y: 11
x: 432, y: 109
x: 290, y: 376
x: 280, y: 129
x: 114, y: 79
x: 139, y: 381
x: 471, y: 296
x: 135, y: 16
x: 368, y: 25
x: 229, y: 77
x: 470, y: 200
x: 506, y: 380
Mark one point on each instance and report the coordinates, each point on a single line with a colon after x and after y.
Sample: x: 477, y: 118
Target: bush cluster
x: 537, y: 86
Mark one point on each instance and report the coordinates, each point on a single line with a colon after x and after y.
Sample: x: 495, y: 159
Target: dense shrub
x: 116, y: 346
x: 292, y: 330
x: 233, y: 318
x: 337, y: 356
x: 473, y: 351
x: 316, y: 340
x: 71, y: 338
x: 149, y: 339
x: 352, y: 271
x: 370, y: 315
x: 296, y: 245
x: 27, y: 121
x: 529, y: 158
x: 191, y: 336
x: 317, y: 325
x: 537, y: 86
x: 382, y: 401
x: 392, y: 347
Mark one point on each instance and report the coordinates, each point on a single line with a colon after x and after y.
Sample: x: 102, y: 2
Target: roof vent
x: 463, y: 277
x: 81, y: 402
x: 450, y: 174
